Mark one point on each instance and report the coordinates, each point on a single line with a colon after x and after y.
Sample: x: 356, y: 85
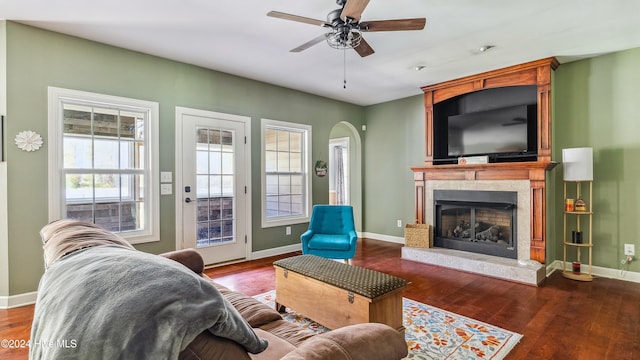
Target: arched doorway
x: 345, y: 168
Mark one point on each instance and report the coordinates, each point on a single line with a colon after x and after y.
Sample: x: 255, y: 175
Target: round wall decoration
x: 28, y: 140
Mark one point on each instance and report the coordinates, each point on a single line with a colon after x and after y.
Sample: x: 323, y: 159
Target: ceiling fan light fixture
x: 344, y: 40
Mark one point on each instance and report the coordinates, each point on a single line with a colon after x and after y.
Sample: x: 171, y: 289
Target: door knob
x: 187, y: 200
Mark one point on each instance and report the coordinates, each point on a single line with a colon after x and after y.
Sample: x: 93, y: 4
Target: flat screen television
x: 500, y: 123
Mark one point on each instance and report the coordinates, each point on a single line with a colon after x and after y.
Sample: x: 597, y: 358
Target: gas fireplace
x: 476, y: 221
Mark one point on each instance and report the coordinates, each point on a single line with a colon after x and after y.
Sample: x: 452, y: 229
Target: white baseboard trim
x: 14, y: 301
x: 388, y: 238
x: 599, y: 271
x: 275, y: 251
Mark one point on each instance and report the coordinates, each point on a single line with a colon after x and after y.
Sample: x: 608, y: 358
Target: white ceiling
x: 238, y: 38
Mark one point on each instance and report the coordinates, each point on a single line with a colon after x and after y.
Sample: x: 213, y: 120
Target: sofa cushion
x: 187, y: 257
x: 252, y: 310
x: 275, y: 351
x: 211, y: 347
x: 353, y: 342
x: 293, y: 333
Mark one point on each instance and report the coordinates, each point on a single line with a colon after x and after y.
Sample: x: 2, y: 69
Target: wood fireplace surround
x: 531, y: 73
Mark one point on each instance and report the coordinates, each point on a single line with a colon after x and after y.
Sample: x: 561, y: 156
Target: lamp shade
x: 578, y: 164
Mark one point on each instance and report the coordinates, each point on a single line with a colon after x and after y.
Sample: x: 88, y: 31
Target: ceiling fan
x: 346, y: 28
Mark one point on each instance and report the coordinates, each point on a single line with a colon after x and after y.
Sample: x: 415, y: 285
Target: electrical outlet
x: 287, y: 230
x: 399, y: 223
x: 630, y: 249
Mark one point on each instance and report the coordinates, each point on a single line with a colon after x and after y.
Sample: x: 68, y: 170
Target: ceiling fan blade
x: 310, y: 43
x: 364, y: 49
x: 302, y: 19
x: 394, y: 25
x: 353, y: 9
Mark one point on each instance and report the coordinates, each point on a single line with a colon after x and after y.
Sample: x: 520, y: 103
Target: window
x: 286, y: 180
x: 103, y: 162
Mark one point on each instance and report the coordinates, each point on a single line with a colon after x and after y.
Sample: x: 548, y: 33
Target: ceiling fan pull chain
x: 344, y: 67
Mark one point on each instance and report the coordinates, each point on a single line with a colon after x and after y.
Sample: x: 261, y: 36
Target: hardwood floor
x: 562, y: 319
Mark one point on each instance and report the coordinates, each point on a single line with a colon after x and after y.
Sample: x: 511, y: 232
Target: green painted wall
x: 395, y: 141
x: 37, y: 59
x: 596, y: 105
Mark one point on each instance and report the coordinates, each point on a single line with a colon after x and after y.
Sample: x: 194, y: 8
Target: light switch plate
x: 166, y: 176
x: 165, y: 189
x: 630, y: 249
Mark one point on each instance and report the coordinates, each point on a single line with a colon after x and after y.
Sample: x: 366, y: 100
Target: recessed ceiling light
x: 484, y: 48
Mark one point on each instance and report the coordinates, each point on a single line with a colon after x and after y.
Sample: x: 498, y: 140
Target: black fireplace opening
x: 482, y: 222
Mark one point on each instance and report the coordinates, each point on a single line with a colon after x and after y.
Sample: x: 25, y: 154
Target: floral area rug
x: 433, y: 333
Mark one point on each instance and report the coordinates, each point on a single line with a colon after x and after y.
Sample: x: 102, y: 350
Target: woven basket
x: 417, y: 235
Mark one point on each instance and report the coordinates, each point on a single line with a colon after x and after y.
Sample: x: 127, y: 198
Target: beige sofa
x: 112, y: 301
x: 368, y: 341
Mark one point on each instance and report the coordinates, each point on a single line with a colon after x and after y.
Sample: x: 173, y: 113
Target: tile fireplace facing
x: 512, y: 260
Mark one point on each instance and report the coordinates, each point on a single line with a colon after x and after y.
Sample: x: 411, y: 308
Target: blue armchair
x: 331, y: 233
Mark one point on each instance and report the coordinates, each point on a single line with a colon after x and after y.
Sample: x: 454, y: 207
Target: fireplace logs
x: 476, y: 221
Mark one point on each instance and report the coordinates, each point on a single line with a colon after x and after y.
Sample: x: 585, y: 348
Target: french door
x: 212, y: 184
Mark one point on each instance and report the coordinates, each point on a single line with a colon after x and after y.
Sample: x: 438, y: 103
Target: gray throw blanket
x: 113, y: 302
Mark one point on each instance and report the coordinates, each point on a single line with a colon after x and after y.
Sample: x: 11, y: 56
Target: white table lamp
x: 578, y: 164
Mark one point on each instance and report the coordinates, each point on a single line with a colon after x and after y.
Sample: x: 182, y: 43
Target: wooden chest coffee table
x: 336, y: 294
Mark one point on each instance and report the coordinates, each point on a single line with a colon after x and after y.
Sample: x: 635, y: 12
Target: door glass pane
x: 226, y: 138
x: 202, y: 186
x: 203, y: 209
x: 203, y: 233
x: 215, y: 186
x: 227, y: 185
x: 215, y: 162
x: 227, y: 163
x: 202, y: 162
x: 215, y: 208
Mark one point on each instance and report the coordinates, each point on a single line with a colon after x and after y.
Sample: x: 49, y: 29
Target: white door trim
x: 180, y: 111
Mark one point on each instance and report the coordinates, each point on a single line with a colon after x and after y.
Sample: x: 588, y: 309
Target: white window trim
x: 57, y: 96
x: 267, y: 223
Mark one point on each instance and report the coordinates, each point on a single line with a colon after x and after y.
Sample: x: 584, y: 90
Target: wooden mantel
x: 532, y: 73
